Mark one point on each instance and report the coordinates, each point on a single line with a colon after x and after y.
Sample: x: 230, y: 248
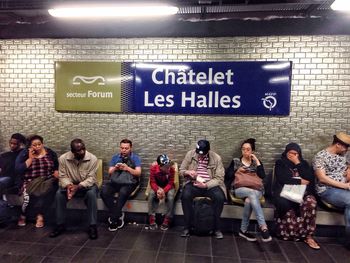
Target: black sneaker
x: 112, y: 227
x: 247, y: 236
x: 265, y: 235
x: 120, y: 222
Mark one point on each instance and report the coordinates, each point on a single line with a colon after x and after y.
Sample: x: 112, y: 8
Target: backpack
x: 203, y: 220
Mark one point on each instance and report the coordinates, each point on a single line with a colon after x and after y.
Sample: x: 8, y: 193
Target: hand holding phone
x: 31, y: 152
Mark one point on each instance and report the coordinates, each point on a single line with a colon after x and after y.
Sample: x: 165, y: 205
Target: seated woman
x: 295, y: 221
x: 249, y: 163
x: 33, y: 162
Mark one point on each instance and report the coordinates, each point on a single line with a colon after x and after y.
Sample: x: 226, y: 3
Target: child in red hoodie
x: 162, y: 189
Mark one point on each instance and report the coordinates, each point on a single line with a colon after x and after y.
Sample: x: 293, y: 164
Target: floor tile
x: 148, y: 241
x: 115, y: 255
x: 225, y: 260
x: 198, y: 245
x: 338, y: 252
x: 88, y: 255
x: 63, y: 251
x: 75, y: 238
x: 291, y: 251
x: 197, y: 258
x: 250, y: 250
x: 15, y: 248
x: 170, y: 257
x: 38, y: 249
x: 11, y: 258
x: 55, y: 260
x: 272, y: 251
x: 252, y: 261
x: 173, y: 243
x: 224, y: 247
x: 124, y: 240
x: 32, y: 234
x: 32, y: 259
x: 143, y: 256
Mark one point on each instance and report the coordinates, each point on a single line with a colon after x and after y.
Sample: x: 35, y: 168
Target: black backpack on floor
x: 203, y: 220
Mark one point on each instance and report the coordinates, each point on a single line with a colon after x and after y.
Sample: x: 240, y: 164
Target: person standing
x: 77, y: 177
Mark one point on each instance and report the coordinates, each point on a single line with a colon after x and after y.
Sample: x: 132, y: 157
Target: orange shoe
x: 21, y: 221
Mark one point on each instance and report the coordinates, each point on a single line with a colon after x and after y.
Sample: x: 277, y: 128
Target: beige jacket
x: 216, y: 169
x: 72, y: 171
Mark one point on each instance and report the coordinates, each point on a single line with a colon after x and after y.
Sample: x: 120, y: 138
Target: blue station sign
x: 230, y: 88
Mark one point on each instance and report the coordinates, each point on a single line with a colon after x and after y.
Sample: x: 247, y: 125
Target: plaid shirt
x: 40, y: 167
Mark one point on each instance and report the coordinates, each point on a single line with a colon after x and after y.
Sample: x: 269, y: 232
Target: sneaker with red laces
x: 152, y: 222
x: 166, y: 223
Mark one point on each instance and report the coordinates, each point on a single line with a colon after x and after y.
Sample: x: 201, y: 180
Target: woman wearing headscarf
x: 295, y: 221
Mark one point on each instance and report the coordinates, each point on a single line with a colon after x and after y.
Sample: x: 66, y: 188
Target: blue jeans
x: 340, y: 198
x: 153, y: 202
x: 251, y: 202
x: 5, y: 183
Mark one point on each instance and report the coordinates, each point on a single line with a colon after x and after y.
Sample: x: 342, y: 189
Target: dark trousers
x: 90, y: 199
x: 5, y: 183
x: 114, y: 205
x: 189, y: 192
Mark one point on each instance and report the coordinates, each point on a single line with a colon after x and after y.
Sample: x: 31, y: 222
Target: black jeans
x: 189, y: 192
x: 115, y: 206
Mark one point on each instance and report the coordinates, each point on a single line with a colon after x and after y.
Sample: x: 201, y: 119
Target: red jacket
x: 161, y: 179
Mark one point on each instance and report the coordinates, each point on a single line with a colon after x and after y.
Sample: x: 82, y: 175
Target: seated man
x: 8, y: 177
x: 204, y: 176
x: 77, y: 177
x: 331, y: 171
x: 162, y: 189
x: 127, y: 161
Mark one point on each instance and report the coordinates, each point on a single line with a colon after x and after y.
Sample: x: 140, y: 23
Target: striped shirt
x: 202, y: 170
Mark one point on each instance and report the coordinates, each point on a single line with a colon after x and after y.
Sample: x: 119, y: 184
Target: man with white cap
x: 333, y: 182
x: 204, y: 176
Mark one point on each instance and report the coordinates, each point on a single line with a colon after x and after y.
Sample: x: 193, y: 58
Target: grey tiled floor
x: 134, y: 243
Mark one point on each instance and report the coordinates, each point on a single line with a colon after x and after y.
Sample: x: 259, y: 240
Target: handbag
x: 293, y: 192
x: 122, y: 177
x: 246, y: 178
x: 40, y: 186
